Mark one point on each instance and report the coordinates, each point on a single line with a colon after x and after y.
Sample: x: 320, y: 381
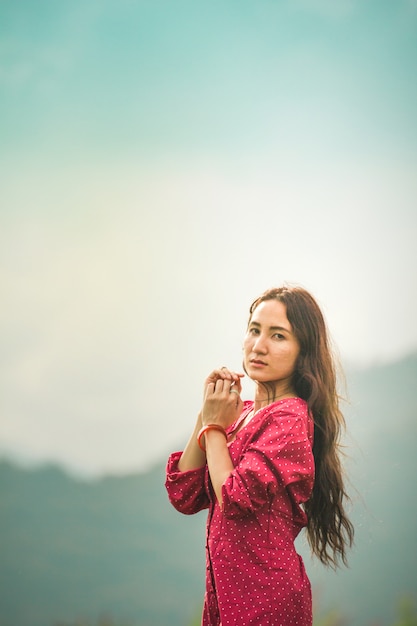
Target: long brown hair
x: 329, y: 530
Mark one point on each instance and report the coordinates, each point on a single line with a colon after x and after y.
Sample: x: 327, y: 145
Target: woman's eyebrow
x: 257, y: 324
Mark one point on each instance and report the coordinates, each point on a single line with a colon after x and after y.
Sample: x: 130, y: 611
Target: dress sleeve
x: 186, y: 490
x: 277, y: 459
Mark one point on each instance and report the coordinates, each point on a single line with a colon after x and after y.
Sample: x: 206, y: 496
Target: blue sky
x: 162, y: 163
x: 198, y: 76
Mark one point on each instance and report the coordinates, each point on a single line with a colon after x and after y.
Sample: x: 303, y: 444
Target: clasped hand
x: 222, y: 402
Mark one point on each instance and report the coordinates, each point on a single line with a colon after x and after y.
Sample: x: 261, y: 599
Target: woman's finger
x: 209, y: 389
x: 231, y: 374
x: 224, y: 374
x: 218, y: 374
x: 220, y: 383
x: 237, y: 385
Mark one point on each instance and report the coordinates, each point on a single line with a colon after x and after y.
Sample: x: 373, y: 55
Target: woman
x: 267, y: 468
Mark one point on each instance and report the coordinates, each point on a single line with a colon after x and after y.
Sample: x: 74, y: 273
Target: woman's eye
x: 279, y: 336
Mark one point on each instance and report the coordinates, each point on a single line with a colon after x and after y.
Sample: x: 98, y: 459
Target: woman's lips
x: 257, y: 363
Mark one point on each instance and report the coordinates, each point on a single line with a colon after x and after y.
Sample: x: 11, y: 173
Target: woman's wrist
x: 205, y: 429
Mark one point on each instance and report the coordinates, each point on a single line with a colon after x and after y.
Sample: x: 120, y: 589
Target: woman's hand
x: 222, y: 403
x: 223, y: 373
x: 222, y: 407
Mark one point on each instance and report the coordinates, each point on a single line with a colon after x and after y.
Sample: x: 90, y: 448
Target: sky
x: 163, y: 163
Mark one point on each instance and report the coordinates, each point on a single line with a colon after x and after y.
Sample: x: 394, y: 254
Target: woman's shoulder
x: 293, y: 408
x: 291, y: 414
x: 293, y: 404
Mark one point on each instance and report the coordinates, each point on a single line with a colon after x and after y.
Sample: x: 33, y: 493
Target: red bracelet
x: 205, y: 429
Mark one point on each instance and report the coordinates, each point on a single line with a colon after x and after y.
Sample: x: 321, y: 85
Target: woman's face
x: 270, y: 347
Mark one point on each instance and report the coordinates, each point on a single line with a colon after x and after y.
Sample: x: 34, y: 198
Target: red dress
x: 254, y: 575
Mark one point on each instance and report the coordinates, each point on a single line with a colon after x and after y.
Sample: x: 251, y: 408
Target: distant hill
x: 72, y: 550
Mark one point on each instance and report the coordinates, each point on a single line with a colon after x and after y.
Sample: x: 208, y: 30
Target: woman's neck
x: 265, y: 396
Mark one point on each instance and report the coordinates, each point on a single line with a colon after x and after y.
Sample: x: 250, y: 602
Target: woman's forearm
x: 218, y: 460
x: 216, y: 456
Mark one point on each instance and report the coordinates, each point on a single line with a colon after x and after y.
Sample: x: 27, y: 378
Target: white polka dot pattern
x: 254, y: 575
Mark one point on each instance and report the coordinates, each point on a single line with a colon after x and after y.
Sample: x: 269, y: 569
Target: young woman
x: 267, y: 468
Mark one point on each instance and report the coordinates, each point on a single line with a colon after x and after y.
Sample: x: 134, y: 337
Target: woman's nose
x: 259, y: 345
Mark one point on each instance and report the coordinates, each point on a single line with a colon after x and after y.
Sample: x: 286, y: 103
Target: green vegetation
x: 407, y: 612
